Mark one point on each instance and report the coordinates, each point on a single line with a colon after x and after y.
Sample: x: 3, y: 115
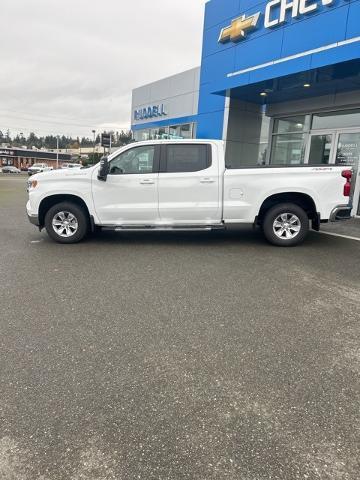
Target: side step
x: 164, y: 228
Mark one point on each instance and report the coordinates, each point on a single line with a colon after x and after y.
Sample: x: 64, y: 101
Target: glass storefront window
x: 336, y: 120
x: 186, y: 131
x: 290, y: 124
x: 288, y: 149
x: 181, y: 131
x: 320, y: 149
x: 141, y: 135
x: 174, y: 131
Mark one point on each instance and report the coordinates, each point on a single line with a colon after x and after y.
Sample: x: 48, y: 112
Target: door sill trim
x: 162, y: 228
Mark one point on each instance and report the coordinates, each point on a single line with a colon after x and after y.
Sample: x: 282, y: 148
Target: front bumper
x: 34, y: 220
x: 32, y: 214
x: 341, y: 212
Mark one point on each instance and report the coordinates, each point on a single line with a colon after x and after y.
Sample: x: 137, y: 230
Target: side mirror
x: 104, y: 169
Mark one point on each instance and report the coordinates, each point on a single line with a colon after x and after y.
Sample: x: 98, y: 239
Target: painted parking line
x: 348, y: 237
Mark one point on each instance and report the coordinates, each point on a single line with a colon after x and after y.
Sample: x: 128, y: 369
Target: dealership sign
x: 150, y: 112
x: 7, y: 152
x: 276, y: 13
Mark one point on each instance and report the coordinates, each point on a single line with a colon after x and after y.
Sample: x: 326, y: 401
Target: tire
x: 286, y: 225
x: 66, y: 222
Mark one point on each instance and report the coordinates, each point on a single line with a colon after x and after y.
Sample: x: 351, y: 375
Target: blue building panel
x: 327, y: 35
x: 353, y: 30
x: 266, y: 48
x: 311, y: 33
x: 210, y: 125
x: 244, y: 57
x: 216, y: 13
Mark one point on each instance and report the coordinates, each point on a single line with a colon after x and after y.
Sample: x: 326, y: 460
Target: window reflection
x: 182, y: 131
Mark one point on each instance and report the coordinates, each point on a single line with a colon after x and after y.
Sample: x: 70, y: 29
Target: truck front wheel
x: 66, y: 222
x: 286, y: 225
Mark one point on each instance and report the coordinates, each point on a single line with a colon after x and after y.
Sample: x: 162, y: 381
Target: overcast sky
x: 69, y: 66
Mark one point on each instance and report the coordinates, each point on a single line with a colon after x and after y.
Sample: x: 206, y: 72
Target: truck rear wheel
x: 286, y: 225
x: 66, y: 222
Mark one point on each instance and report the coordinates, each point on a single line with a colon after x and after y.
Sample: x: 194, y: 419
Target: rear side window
x: 187, y: 158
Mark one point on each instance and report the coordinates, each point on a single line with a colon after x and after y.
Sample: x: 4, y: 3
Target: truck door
x: 130, y: 194
x: 189, y: 185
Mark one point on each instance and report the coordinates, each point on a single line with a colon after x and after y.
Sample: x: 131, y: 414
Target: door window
x: 134, y: 161
x: 320, y: 149
x: 187, y: 158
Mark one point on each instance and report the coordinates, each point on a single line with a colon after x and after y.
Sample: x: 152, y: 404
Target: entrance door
x: 337, y: 147
x: 348, y: 153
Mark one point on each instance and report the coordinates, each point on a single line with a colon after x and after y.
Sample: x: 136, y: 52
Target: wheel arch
x: 52, y: 200
x: 303, y: 200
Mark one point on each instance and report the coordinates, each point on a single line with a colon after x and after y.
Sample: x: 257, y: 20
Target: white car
x: 10, y: 169
x: 39, y: 168
x: 185, y: 185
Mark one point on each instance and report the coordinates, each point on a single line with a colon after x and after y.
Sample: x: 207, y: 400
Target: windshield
x: 38, y: 165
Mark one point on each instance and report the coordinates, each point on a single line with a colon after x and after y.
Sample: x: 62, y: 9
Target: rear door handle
x: 207, y: 180
x: 147, y: 181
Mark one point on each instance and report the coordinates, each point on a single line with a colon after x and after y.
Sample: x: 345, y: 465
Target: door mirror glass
x: 104, y: 169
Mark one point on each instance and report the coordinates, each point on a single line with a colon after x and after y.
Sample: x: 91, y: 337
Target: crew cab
x: 185, y: 185
x: 38, y: 168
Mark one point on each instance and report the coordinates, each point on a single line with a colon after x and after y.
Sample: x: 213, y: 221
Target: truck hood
x: 63, y: 174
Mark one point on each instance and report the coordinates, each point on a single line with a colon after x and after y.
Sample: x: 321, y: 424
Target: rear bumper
x: 341, y: 212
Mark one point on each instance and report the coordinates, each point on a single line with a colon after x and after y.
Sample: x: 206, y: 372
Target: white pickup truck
x: 185, y: 185
x: 39, y: 168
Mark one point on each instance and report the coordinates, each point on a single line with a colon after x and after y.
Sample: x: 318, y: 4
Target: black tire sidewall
x: 78, y: 212
x: 275, y: 212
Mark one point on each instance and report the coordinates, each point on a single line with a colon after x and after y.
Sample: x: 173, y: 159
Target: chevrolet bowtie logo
x: 238, y: 28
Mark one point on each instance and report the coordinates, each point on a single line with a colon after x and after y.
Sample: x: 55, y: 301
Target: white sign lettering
x: 293, y: 7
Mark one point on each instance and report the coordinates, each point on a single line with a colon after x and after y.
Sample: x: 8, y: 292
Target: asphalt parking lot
x: 176, y: 356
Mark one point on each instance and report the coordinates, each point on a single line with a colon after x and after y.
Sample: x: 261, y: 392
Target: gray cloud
x: 68, y: 67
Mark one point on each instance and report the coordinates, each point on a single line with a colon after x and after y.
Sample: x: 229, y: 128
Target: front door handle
x: 147, y: 181
x: 207, y: 180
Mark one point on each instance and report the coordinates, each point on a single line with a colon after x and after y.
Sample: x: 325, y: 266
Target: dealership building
x: 279, y: 82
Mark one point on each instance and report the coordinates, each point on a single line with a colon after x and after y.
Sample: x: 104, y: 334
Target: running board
x: 164, y: 228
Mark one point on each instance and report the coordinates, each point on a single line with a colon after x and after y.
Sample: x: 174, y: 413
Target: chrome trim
x: 341, y: 208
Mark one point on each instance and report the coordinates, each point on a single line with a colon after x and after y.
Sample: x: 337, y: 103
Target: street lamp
x: 57, y: 151
x: 94, y: 132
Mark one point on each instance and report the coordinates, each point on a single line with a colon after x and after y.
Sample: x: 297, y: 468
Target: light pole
x: 57, y: 151
x: 94, y: 132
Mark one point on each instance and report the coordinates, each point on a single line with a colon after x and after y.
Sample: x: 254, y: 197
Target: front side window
x: 187, y: 158
x: 134, y: 161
